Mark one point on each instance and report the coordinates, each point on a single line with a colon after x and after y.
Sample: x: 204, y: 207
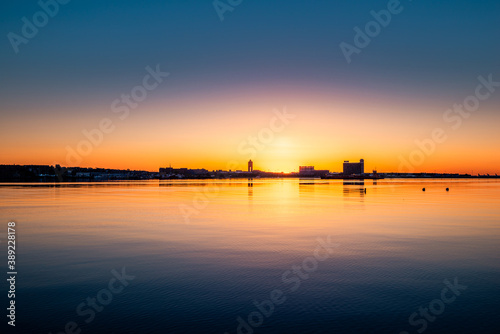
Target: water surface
x: 202, y: 253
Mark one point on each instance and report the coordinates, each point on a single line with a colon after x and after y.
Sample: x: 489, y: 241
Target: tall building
x: 351, y: 168
x: 250, y: 166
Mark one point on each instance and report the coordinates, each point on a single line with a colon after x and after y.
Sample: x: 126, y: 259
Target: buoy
x: 447, y: 189
x: 423, y: 189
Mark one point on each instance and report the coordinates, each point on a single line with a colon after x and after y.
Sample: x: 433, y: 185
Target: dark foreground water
x: 261, y: 256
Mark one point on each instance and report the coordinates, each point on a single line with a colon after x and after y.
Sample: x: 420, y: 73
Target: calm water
x: 198, y: 255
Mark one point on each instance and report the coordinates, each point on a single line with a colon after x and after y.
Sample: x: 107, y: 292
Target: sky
x: 258, y: 79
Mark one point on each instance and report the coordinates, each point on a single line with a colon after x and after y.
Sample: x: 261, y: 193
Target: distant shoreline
x: 74, y: 181
x: 50, y: 174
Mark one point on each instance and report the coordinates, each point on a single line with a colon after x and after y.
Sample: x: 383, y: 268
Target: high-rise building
x: 351, y: 168
x: 250, y: 166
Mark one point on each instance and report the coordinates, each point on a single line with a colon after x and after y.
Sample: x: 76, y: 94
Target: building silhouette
x: 310, y: 171
x: 351, y: 168
x: 306, y: 169
x: 250, y: 166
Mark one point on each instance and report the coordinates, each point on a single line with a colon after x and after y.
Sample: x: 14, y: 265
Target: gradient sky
x: 227, y: 77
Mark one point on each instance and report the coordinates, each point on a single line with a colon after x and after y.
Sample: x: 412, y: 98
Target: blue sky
x: 92, y: 46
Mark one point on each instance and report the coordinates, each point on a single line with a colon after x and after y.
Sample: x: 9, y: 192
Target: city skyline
x: 348, y: 168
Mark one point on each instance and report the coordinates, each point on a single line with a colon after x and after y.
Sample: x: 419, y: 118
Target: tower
x: 250, y: 166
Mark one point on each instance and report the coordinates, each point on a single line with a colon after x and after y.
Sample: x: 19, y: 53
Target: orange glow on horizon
x: 216, y: 131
